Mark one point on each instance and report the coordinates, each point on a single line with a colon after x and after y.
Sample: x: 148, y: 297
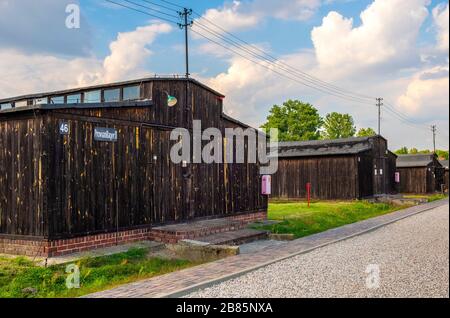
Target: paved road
x: 409, y: 258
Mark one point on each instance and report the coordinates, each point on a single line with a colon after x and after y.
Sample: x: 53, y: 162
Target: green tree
x: 338, y: 126
x: 295, y: 120
x: 366, y: 132
x: 402, y: 151
x: 442, y: 154
x: 413, y: 151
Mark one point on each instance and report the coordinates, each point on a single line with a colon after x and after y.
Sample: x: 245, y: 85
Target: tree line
x: 298, y: 121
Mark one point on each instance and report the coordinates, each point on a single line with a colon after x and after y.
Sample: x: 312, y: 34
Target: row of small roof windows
x: 128, y: 93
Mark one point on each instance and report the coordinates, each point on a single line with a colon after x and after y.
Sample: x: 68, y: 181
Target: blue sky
x: 397, y: 50
x: 106, y: 21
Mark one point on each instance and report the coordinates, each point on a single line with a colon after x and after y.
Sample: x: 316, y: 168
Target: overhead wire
x: 264, y: 59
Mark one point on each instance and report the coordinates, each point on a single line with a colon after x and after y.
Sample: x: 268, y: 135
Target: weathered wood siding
x: 366, y: 175
x: 446, y: 180
x: 22, y: 171
x: 391, y: 170
x: 421, y: 180
x: 415, y: 180
x: 60, y: 186
x: 331, y: 178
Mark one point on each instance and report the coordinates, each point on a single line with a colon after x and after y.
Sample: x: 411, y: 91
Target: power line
x: 433, y: 129
x: 277, y: 64
x: 403, y: 117
x: 159, y: 5
x: 186, y: 13
x: 313, y: 85
x: 273, y: 70
x: 274, y: 59
x: 312, y: 80
x: 143, y: 12
x: 149, y: 8
x: 379, y: 104
x: 266, y: 60
x: 172, y: 4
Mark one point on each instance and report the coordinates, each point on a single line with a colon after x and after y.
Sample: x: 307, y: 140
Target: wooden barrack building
x: 351, y: 168
x: 90, y: 165
x: 444, y: 164
x: 420, y: 173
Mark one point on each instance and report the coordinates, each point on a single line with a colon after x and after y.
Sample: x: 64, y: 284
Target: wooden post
x: 308, y: 191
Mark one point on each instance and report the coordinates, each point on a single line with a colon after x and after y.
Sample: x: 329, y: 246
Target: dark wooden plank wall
x: 422, y: 180
x: 85, y: 184
x: 438, y: 175
x: 391, y: 169
x: 331, y: 178
x: 90, y: 180
x: 82, y: 191
x: 414, y: 180
x: 22, y: 183
x: 446, y: 180
x: 366, y: 175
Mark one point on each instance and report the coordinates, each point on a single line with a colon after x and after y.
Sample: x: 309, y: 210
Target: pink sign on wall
x: 397, y: 177
x: 267, y: 185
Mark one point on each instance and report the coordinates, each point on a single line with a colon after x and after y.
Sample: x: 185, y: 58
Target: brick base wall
x: 237, y: 222
x: 249, y: 218
x: 44, y: 248
x: 36, y: 248
x: 32, y: 248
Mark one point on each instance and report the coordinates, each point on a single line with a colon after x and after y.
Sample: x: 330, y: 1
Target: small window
x: 132, y: 93
x: 74, y: 99
x: 5, y: 106
x: 21, y: 103
x: 112, y: 95
x: 92, y: 97
x: 40, y: 101
x: 57, y: 100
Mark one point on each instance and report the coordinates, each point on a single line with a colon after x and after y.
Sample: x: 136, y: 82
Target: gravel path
x: 410, y: 257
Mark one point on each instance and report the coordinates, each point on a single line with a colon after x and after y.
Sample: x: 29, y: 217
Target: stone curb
x: 185, y: 291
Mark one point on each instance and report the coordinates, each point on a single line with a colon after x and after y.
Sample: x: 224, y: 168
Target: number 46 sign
x: 64, y: 128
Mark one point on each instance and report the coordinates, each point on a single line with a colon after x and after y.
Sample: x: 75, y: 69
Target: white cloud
x: 427, y: 93
x: 387, y: 34
x: 229, y: 17
x: 130, y: 50
x: 239, y: 15
x: 28, y: 73
x: 288, y: 9
x: 441, y: 20
x: 379, y: 57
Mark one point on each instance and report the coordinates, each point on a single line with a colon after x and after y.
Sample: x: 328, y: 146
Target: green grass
x: 429, y: 197
x: 296, y: 218
x: 437, y: 197
x: 17, y: 274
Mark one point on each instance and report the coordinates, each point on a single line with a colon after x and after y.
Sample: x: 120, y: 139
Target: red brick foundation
x: 173, y: 234
x: 44, y: 248
x: 249, y: 218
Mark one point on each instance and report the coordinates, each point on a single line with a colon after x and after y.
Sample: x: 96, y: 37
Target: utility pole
x: 185, y: 14
x: 379, y: 104
x: 188, y: 212
x: 434, y: 130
